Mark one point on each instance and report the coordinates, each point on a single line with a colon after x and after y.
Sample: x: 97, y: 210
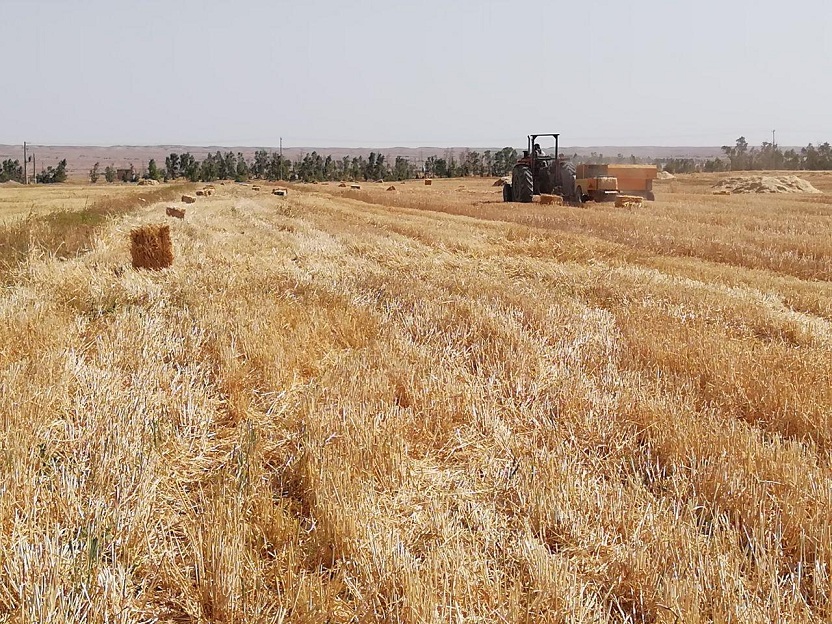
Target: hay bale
x: 391, y: 188
x: 150, y: 247
x: 342, y: 185
x: 551, y: 200
x: 629, y: 201
x: 209, y: 192
x: 148, y: 183
x: 428, y: 182
x: 175, y: 212
x: 255, y: 188
x: 188, y: 199
x: 280, y: 192
x: 200, y: 193
x: 355, y: 187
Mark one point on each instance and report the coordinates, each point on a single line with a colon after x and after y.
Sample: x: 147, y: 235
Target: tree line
x: 743, y: 157
x: 313, y: 167
x: 12, y: 171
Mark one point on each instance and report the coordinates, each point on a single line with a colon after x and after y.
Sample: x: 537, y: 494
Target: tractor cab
x: 540, y: 172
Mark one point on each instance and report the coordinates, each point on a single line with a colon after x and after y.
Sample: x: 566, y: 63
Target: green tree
x: 94, y: 173
x: 109, y: 174
x: 11, y: 170
x: 53, y: 175
x: 242, y: 173
x: 153, y: 172
x: 172, y: 170
x: 738, y: 155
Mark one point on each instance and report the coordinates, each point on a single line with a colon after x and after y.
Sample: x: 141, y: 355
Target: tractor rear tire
x: 507, y: 196
x: 522, y: 184
x: 569, y: 182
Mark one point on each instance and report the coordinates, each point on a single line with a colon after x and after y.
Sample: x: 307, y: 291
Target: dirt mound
x: 763, y: 184
x: 665, y: 175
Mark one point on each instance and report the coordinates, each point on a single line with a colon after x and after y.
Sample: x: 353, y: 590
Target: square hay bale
x: 200, y: 193
x: 280, y: 192
x: 355, y: 187
x: 342, y: 185
x: 428, y: 182
x: 188, y: 199
x: 150, y: 247
x: 255, y: 188
x: 629, y: 201
x: 551, y: 200
x: 175, y: 212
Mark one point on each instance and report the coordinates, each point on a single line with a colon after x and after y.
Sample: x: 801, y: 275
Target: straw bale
x: 551, y: 200
x: 188, y: 199
x: 151, y: 247
x: 428, y: 182
x: 391, y: 188
x: 200, y: 193
x: 355, y: 187
x: 629, y: 201
x: 175, y: 212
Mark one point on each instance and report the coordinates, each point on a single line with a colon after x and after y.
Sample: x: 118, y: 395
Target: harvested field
x: 426, y: 406
x: 18, y: 201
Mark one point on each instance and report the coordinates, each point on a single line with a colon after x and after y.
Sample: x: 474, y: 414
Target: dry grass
x: 352, y: 406
x: 18, y: 202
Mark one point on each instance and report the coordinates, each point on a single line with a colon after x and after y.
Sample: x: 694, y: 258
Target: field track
x: 414, y: 407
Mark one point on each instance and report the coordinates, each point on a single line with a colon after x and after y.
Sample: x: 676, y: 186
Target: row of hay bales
x: 150, y: 245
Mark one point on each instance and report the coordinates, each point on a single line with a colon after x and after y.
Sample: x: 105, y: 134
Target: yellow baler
x: 606, y: 182
x: 595, y: 183
x: 635, y: 179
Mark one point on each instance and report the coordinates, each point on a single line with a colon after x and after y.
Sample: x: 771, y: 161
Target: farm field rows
x: 425, y: 406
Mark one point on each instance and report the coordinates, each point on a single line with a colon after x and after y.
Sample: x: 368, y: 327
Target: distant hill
x: 80, y: 159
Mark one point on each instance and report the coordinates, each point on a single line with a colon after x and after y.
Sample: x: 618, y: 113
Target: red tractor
x: 539, y: 173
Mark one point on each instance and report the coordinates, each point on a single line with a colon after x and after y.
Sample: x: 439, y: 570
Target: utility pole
x: 281, y: 147
x: 25, y: 165
x: 34, y: 167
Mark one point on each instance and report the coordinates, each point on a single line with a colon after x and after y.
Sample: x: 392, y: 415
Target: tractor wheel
x: 522, y: 184
x: 569, y: 182
x: 507, y: 193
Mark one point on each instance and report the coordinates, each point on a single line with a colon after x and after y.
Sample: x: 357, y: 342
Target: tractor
x: 538, y: 173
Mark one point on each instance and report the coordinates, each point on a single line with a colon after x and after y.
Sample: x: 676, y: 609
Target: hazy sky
x: 387, y: 73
